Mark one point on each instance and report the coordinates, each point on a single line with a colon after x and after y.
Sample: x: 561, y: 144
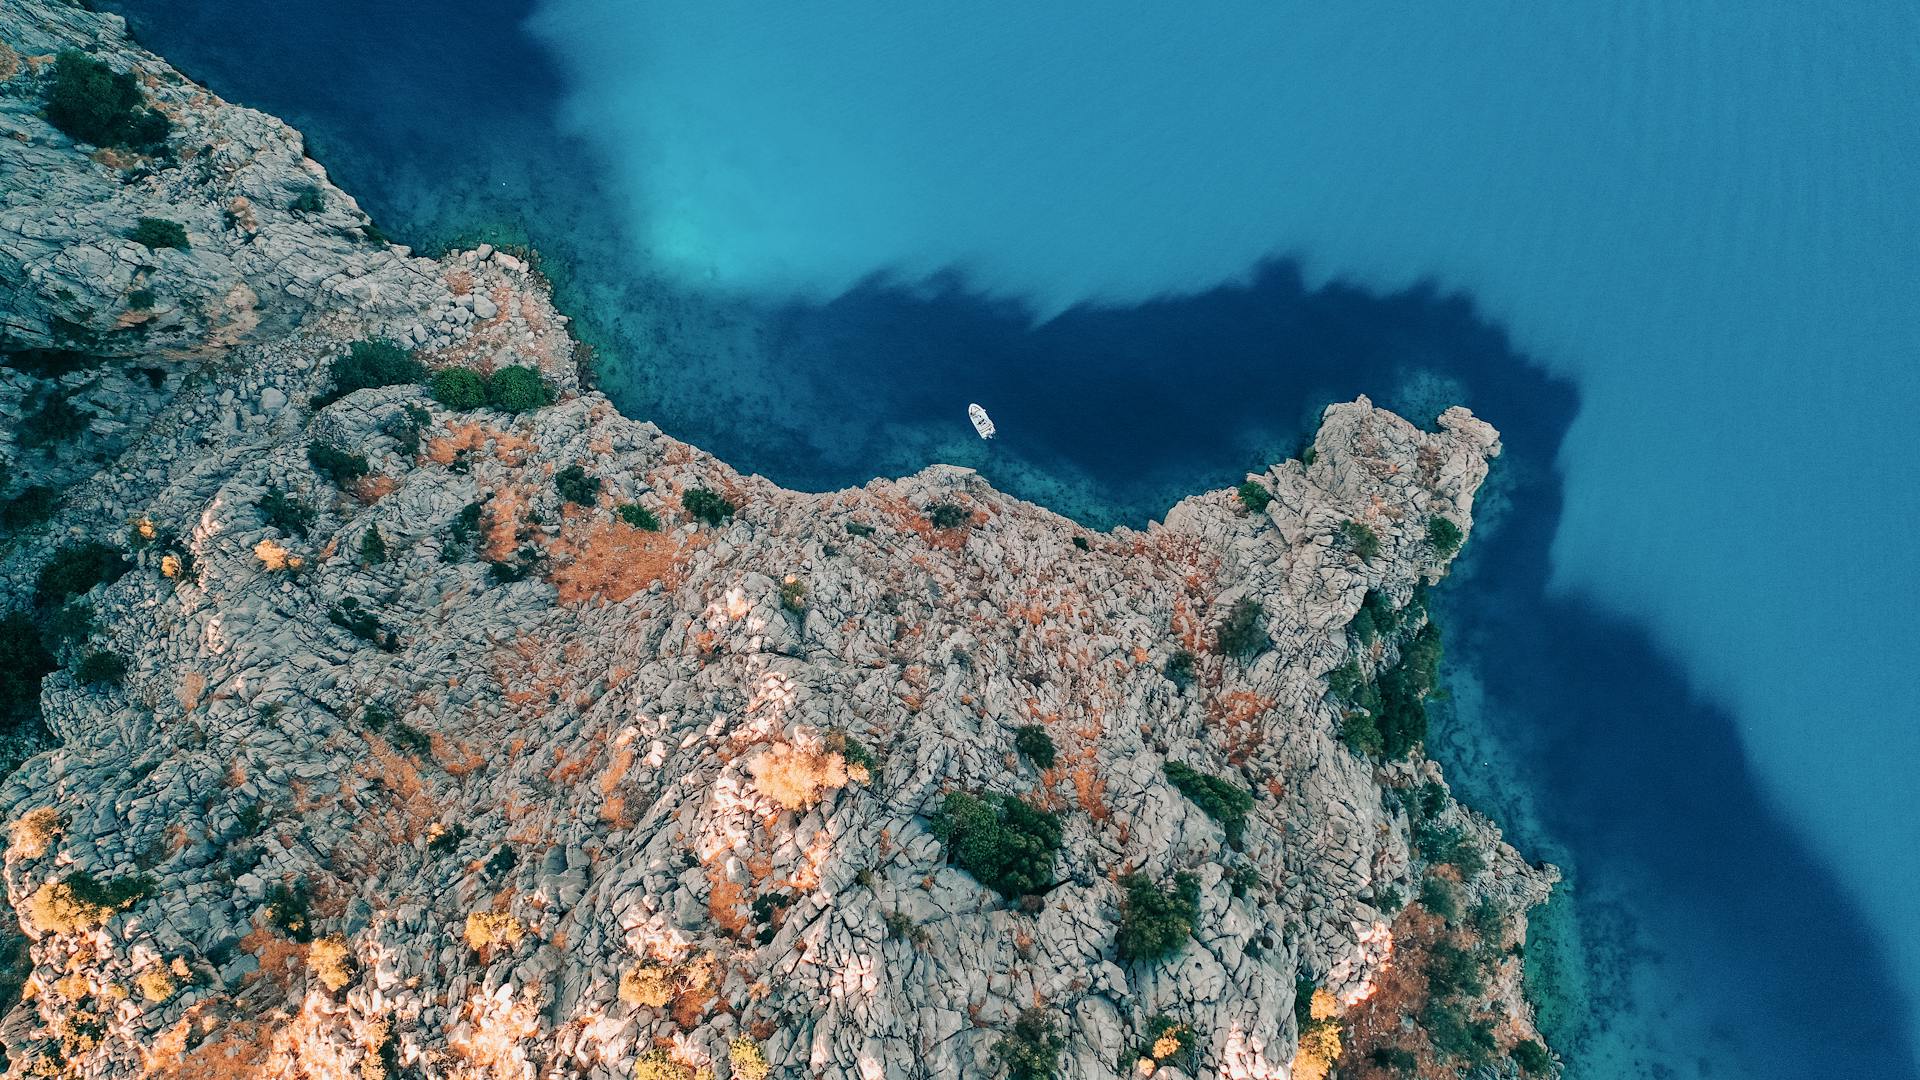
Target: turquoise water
x: 1673, y: 252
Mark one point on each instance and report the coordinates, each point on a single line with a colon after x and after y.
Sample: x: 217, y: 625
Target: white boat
x: 982, y: 423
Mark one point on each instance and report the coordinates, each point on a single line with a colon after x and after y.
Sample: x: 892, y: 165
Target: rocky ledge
x: 467, y: 733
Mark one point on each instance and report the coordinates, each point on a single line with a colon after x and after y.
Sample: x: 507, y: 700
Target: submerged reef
x: 383, y: 703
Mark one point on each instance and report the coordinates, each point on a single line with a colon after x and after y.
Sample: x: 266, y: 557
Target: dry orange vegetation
x: 509, y: 448
x: 611, y: 562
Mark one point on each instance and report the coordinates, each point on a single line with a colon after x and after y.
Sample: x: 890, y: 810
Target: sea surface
x: 1671, y: 250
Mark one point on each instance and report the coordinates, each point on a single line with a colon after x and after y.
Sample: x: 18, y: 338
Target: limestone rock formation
x: 548, y: 745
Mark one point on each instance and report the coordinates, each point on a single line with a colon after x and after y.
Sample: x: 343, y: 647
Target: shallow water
x: 1693, y: 257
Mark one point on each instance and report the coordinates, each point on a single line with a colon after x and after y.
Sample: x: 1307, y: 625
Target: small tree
x: 1032, y: 1049
x: 576, y: 487
x: 946, y: 515
x: 639, y: 517
x: 76, y: 568
x: 373, y: 546
x: 1004, y: 843
x: 101, y: 668
x: 1254, y: 496
x: 369, y: 364
x: 458, y: 388
x: 158, y: 233
x: 290, y: 514
x: 1360, y: 538
x: 518, y: 389
x: 1222, y: 800
x: 1445, y: 537
x: 1156, y: 923
x: 336, y: 464
x: 1033, y: 741
x: 310, y: 201
x: 1179, y: 669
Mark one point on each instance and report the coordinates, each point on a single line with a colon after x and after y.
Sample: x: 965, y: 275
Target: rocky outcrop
x: 552, y: 746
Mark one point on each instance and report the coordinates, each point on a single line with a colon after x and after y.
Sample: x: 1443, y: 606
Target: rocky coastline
x: 407, y: 726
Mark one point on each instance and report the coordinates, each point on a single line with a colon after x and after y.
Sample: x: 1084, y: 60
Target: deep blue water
x: 1701, y: 933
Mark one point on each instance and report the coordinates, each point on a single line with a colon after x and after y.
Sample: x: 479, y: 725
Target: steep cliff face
x: 548, y: 745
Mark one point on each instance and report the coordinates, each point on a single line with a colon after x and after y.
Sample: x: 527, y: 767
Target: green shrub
x: 30, y: 507
x: 1457, y: 1034
x: 361, y: 623
x: 1165, y: 1041
x: 1362, y: 735
x: 1156, y: 923
x: 447, y: 840
x: 518, y: 389
x: 855, y: 528
x: 1032, y: 1049
x: 1254, y: 496
x: 100, y: 668
x: 639, y: 517
x: 311, y: 200
x: 946, y: 515
x: 458, y: 388
x: 1453, y: 971
x: 95, y: 104
x: 854, y: 751
x: 1033, y: 741
x: 76, y: 568
x: 1179, y: 669
x: 53, y: 419
x: 24, y: 661
x: 576, y: 487
x: 370, y: 364
x: 287, y: 910
x: 1242, y: 634
x: 1360, y: 539
x: 793, y: 595
x: 1395, y: 1058
x: 1452, y: 846
x: 336, y: 464
x: 463, y: 533
x: 373, y: 546
x: 707, y: 506
x: 1532, y: 1057
x: 140, y: 300
x: 1222, y: 800
x: 1081, y: 543
x: 288, y: 513
x: 1403, y: 691
x: 156, y: 233
x: 67, y: 624
x: 1445, y: 537
x: 1004, y: 843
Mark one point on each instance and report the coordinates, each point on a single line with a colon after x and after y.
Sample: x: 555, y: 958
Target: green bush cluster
x: 639, y: 517
x: 1033, y: 741
x: 1006, y: 844
x: 1179, y: 669
x: 1444, y: 535
x: 576, y: 487
x: 140, y: 300
x: 287, y: 910
x: 95, y: 104
x: 518, y: 389
x: 1254, y: 496
x: 311, y: 200
x: 708, y: 506
x: 100, y: 668
x: 1156, y: 923
x: 793, y: 595
x: 1389, y: 719
x: 1032, y: 1049
x: 373, y: 546
x: 337, y: 465
x: 946, y: 515
x: 458, y: 388
x: 370, y: 364
x: 1242, y: 635
x: 1532, y: 1057
x: 363, y: 624
x: 1221, y: 799
x: 156, y: 233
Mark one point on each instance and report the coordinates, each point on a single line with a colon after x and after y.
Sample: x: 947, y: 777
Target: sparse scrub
x: 337, y: 465
x: 707, y: 506
x: 1179, y: 669
x: 51, y: 418
x: 287, y: 910
x: 639, y: 517
x: 1166, y: 1041
x: 32, y: 834
x: 1004, y: 843
x: 92, y: 103
x: 1032, y: 1049
x: 659, y: 1065
x: 748, y: 1060
x: 331, y: 961
x: 486, y: 929
x: 155, y: 233
x: 156, y: 984
x: 1221, y: 799
x: 29, y: 507
x: 290, y: 514
x: 310, y: 200
x: 1438, y: 897
x: 1360, y: 539
x: 1242, y: 635
x: 648, y: 985
x: 797, y: 778
x: 361, y: 623
x: 1156, y: 923
x: 576, y: 487
x: 793, y: 595
x: 1532, y: 1057
x: 1033, y: 741
x: 78, y: 902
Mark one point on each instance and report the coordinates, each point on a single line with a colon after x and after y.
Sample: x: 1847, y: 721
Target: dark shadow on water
x: 442, y: 114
